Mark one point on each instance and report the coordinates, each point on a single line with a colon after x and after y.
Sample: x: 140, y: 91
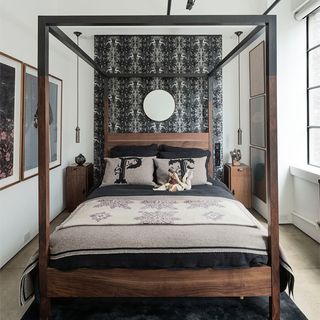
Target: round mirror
x: 158, y: 105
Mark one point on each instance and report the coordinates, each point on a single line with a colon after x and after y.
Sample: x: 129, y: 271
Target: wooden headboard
x: 190, y: 140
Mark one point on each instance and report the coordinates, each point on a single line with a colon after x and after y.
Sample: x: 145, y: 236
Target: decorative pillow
x: 180, y: 165
x: 129, y: 170
x: 177, y: 152
x: 129, y: 151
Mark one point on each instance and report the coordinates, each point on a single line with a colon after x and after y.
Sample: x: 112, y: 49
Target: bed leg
x: 274, y: 306
x: 44, y: 311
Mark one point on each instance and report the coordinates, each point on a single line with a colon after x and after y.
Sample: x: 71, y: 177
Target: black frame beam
x: 169, y: 7
x: 62, y: 37
x: 271, y: 7
x: 176, y: 20
x: 251, y: 37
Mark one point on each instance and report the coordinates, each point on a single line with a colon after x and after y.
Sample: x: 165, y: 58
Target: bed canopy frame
x: 255, y: 281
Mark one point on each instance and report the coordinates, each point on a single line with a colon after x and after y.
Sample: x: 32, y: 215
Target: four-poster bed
x: 255, y: 281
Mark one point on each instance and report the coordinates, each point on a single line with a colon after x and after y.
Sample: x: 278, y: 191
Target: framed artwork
x: 10, y: 120
x: 30, y: 122
x: 258, y: 121
x: 259, y: 173
x: 257, y: 70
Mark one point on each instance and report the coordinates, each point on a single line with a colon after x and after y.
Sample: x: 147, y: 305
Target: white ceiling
x: 154, y: 7
x: 159, y: 7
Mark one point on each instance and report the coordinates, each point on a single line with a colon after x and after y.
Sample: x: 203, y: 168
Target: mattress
x: 162, y: 246
x: 131, y: 226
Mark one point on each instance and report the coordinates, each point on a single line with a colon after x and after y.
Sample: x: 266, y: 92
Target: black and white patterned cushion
x: 129, y: 170
x: 180, y: 165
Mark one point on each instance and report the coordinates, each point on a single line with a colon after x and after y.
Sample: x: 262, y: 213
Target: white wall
x: 231, y: 114
x: 291, y: 86
x: 231, y: 101
x: 292, y: 109
x: 19, y: 203
x: 306, y: 208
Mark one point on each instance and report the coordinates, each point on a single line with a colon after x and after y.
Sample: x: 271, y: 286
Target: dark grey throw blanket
x: 212, y: 238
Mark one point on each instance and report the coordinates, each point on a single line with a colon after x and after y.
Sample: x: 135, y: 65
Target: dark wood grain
x: 78, y: 184
x: 238, y: 180
x: 272, y: 167
x: 159, y: 283
x: 210, y: 137
x: 44, y: 192
x: 43, y: 162
x: 273, y: 222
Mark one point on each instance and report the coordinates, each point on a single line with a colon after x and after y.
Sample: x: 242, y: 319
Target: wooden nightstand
x: 238, y: 180
x: 79, y: 183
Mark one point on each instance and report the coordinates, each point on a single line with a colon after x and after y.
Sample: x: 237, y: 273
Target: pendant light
x: 78, y: 34
x: 239, y: 33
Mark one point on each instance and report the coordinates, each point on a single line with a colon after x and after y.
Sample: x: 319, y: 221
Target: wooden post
x: 210, y: 126
x: 43, y: 160
x: 272, y: 167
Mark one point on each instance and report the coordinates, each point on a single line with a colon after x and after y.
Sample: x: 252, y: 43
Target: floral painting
x: 10, y: 107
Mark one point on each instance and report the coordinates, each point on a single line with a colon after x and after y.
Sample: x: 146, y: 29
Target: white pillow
x: 128, y: 170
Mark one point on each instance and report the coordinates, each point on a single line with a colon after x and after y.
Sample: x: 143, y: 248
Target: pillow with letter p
x: 128, y: 170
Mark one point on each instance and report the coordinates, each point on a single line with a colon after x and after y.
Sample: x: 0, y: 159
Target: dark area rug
x: 167, y: 309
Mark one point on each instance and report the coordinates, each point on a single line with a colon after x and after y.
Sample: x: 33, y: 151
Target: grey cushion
x: 197, y: 165
x: 129, y: 170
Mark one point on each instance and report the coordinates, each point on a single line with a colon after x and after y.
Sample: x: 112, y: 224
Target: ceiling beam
x: 190, y: 4
x: 169, y: 7
x: 158, y: 20
x: 271, y: 7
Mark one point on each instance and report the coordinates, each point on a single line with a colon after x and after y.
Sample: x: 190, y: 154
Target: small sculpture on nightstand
x: 236, y: 157
x: 80, y: 159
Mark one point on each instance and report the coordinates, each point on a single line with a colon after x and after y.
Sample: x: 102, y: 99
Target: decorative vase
x: 80, y: 159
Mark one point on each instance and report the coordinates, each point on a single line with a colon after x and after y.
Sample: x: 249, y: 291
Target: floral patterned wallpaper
x: 156, y: 54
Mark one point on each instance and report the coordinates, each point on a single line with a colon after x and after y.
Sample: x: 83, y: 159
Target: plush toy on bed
x: 174, y: 183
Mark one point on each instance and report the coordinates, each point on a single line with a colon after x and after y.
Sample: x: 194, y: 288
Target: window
x: 313, y: 90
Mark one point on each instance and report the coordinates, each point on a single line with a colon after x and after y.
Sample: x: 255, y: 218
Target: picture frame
x: 257, y: 117
x: 259, y: 173
x: 11, y: 84
x: 257, y: 70
x: 30, y: 125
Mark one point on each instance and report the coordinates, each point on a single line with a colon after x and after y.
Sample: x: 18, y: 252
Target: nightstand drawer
x: 79, y: 181
x: 238, y: 180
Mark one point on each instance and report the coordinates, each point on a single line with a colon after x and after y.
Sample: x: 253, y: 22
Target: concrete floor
x: 303, y: 254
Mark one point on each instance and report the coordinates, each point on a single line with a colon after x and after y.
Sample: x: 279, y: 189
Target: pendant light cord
x: 239, y: 84
x: 78, y: 85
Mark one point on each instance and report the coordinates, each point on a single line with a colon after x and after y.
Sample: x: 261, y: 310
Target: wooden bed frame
x: 256, y: 281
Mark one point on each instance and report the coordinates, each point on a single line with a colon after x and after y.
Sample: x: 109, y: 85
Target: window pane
x: 314, y: 107
x: 314, y: 146
x: 314, y: 67
x: 314, y: 29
